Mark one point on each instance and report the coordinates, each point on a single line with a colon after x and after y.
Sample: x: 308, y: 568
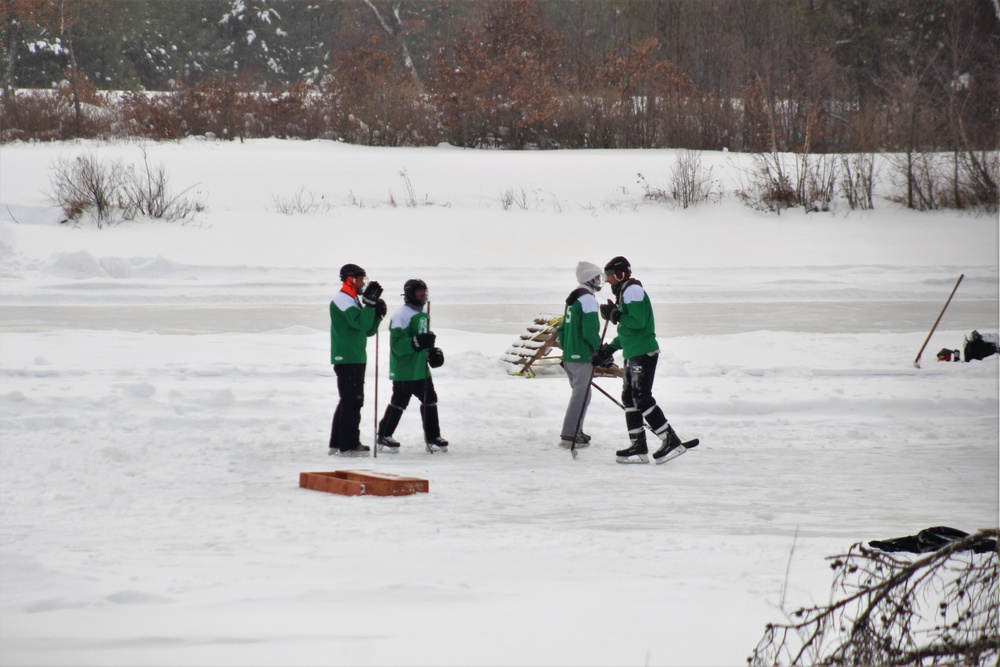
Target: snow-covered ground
x: 162, y: 385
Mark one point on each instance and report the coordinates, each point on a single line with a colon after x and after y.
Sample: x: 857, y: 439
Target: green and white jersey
x: 405, y: 363
x: 350, y: 327
x: 636, y: 329
x: 579, y: 334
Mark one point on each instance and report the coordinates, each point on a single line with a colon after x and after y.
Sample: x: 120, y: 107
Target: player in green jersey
x: 633, y: 313
x: 579, y: 336
x: 412, y: 355
x: 355, y: 314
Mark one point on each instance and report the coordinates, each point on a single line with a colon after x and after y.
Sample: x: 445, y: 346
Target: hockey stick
x: 916, y: 362
x: 427, y: 361
x: 579, y: 420
x: 613, y: 399
x: 375, y: 426
x: 427, y: 364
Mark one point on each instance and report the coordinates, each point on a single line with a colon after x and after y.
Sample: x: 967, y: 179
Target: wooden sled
x: 537, y: 351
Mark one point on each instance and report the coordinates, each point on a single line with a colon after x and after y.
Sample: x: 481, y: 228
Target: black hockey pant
x: 346, y: 430
x: 402, y: 390
x: 637, y: 397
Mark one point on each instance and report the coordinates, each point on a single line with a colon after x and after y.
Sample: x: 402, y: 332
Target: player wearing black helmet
x: 633, y: 313
x: 355, y: 314
x: 412, y: 351
x: 415, y: 292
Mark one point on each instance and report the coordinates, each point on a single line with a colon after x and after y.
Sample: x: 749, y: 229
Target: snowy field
x: 162, y: 385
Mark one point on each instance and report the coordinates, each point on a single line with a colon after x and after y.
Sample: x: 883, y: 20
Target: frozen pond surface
x: 673, y: 319
x: 163, y: 386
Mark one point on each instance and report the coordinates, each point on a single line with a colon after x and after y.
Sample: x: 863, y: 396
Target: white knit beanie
x: 585, y: 272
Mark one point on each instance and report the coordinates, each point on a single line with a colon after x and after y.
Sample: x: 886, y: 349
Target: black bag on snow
x: 931, y: 539
x: 978, y: 346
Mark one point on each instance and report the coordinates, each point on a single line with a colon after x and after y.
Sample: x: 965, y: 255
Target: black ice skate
x: 637, y: 453
x: 582, y: 440
x: 388, y: 444
x: 436, y: 445
x: 356, y: 450
x: 672, y: 446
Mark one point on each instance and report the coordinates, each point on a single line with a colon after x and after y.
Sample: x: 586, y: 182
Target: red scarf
x: 350, y: 288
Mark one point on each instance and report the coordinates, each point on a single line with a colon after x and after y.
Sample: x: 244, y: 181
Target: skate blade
x: 639, y: 458
x: 437, y: 450
x: 386, y: 449
x: 349, y: 455
x: 673, y: 454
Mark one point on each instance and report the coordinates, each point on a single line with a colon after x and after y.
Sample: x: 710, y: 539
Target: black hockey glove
x: 604, y: 356
x: 610, y: 312
x: 371, y: 294
x: 380, y: 309
x: 423, y: 341
x: 435, y: 357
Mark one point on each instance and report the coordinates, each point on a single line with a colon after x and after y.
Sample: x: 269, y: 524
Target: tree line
x: 805, y: 76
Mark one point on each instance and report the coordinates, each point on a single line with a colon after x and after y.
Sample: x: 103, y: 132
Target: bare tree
x: 498, y: 88
x: 69, y: 16
x: 375, y: 100
x: 938, y: 609
x: 858, y: 182
x: 391, y: 23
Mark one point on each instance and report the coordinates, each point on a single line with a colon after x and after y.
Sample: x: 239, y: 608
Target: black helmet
x: 617, y: 264
x: 410, y: 289
x: 351, y: 270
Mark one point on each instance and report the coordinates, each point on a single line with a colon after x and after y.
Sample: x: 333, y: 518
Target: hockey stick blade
x: 691, y: 444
